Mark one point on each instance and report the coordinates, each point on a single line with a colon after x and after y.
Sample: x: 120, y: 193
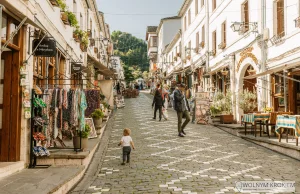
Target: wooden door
x: 10, y: 107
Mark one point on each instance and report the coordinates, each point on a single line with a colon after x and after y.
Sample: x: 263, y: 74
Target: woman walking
x: 166, y: 99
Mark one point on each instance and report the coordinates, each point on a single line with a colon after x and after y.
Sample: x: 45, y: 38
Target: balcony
x: 278, y: 38
x: 152, y: 50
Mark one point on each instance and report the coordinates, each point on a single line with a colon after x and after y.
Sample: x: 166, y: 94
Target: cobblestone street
x: 207, y: 160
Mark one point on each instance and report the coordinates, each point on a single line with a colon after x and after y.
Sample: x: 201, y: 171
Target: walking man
x: 182, y: 109
x: 158, y: 102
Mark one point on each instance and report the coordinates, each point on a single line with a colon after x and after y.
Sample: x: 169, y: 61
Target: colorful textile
x: 83, y: 106
x: 250, y: 118
x: 93, y: 101
x: 289, y: 121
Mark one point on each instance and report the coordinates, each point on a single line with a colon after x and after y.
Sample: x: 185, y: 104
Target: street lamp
x: 236, y: 26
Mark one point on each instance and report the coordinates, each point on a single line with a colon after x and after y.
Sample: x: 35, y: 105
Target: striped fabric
x: 291, y: 121
x: 250, y: 118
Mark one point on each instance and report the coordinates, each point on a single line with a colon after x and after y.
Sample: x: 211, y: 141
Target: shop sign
x: 47, y: 48
x: 202, y: 107
x: 76, y: 68
x: 247, y: 53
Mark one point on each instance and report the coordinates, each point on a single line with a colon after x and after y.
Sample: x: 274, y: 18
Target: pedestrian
x: 182, y: 108
x: 118, y: 88
x: 127, y: 143
x: 158, y: 102
x: 166, y: 100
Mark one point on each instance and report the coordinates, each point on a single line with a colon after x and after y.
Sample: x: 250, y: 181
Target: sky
x: 133, y: 16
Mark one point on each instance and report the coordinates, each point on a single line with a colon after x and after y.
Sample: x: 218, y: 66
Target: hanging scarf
x: 83, y: 106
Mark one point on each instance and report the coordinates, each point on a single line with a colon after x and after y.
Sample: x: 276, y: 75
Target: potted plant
x: 81, y: 136
x: 64, y: 12
x: 72, y: 19
x: 96, y: 50
x: 188, y: 57
x: 247, y: 100
x: 92, y: 42
x: 97, y: 116
x: 84, y: 42
x: 178, y: 54
x: 268, y: 109
x: 221, y: 108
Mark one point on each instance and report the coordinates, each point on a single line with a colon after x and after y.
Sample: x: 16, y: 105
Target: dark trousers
x: 126, y: 153
x: 160, y: 111
x: 180, y: 115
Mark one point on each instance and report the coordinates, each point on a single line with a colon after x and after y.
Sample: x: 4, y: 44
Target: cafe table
x: 288, y: 122
x: 252, y: 119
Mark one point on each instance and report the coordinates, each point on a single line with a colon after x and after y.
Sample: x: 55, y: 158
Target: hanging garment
x: 83, y: 106
x: 93, y: 101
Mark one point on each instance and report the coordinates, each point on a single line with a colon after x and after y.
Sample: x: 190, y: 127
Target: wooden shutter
x: 214, y: 41
x: 189, y: 17
x: 196, y: 7
x: 184, y: 23
x: 203, y: 34
x: 224, y: 32
x: 197, y: 40
x: 280, y: 17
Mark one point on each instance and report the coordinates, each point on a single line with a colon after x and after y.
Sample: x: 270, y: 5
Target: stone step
x: 8, y: 168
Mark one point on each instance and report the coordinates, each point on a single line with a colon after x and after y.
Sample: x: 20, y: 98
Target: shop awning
x: 272, y: 71
x: 101, y: 68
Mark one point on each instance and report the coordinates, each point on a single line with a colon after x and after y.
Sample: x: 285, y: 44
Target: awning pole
x: 284, y: 87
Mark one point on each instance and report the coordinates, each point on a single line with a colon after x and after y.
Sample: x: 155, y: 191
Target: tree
x: 133, y: 53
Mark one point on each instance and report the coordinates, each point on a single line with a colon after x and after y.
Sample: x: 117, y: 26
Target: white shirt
x: 126, y: 140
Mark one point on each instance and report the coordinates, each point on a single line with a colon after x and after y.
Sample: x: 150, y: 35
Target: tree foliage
x: 133, y: 53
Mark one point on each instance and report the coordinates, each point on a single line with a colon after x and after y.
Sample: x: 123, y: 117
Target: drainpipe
x: 263, y: 53
x: 207, y: 43
x: 285, y: 92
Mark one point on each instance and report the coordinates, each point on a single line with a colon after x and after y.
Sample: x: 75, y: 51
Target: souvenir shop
x: 61, y: 109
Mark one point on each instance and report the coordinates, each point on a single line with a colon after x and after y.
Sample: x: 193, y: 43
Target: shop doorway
x: 9, y: 107
x: 250, y: 84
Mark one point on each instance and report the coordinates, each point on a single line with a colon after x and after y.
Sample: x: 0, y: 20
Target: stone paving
x: 207, y: 160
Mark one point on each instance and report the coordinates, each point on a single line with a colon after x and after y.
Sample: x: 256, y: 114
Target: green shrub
x: 85, y: 133
x: 72, y: 19
x: 97, y: 114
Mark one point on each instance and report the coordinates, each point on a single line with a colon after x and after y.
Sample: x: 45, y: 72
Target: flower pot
x: 83, y: 47
x: 98, y: 123
x: 76, y: 37
x: 89, y: 33
x: 226, y: 119
x: 64, y: 18
x: 216, y: 119
x: 95, y: 49
x: 76, y: 142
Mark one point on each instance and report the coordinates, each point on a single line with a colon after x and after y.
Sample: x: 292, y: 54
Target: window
x: 172, y: 57
x: 203, y: 36
x: 81, y: 21
x: 214, y: 5
x: 214, y: 41
x: 74, y: 7
x: 279, y: 18
x: 184, y: 23
x: 223, y: 37
x: 189, y: 15
x: 154, y: 41
x: 202, y: 3
x: 4, y: 27
x: 196, y: 7
x: 197, y: 40
x: 245, y: 16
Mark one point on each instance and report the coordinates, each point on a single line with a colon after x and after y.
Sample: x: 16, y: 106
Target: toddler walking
x: 126, y: 143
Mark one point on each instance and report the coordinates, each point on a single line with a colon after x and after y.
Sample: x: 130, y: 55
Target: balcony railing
x: 277, y: 38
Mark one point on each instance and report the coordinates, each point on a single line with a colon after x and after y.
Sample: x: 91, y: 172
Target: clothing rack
x: 33, y: 157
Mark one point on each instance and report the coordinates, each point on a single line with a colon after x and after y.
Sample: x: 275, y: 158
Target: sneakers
x: 183, y: 132
x: 180, y: 135
x: 123, y: 163
x: 154, y: 118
